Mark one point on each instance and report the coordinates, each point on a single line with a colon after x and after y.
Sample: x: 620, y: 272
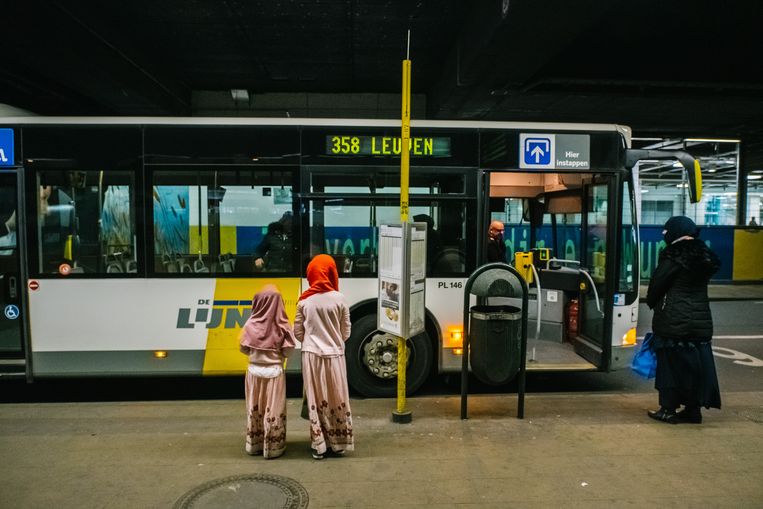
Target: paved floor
x: 571, y: 450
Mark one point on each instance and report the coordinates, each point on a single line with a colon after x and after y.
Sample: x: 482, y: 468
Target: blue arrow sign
x: 6, y: 147
x: 537, y: 151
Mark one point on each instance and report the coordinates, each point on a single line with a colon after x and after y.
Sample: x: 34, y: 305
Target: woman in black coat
x: 682, y: 325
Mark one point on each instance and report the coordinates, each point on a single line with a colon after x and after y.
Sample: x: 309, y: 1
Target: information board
x: 402, y: 278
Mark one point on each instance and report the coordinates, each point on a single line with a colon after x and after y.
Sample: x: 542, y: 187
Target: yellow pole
x: 401, y: 414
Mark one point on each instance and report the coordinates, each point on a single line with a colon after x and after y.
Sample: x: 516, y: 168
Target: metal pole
x: 401, y: 414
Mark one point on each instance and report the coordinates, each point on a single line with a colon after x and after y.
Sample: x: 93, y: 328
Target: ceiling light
x: 754, y: 177
x: 645, y: 190
x: 711, y: 171
x: 681, y: 185
x: 240, y: 95
x: 711, y: 140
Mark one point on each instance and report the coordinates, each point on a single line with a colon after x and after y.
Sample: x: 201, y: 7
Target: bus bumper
x: 621, y: 357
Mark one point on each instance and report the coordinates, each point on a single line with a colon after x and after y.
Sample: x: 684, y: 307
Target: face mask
x: 499, y: 237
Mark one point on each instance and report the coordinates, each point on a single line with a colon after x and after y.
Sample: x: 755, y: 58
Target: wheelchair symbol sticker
x: 11, y: 312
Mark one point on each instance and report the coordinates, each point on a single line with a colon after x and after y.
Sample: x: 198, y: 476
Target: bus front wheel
x: 372, y: 360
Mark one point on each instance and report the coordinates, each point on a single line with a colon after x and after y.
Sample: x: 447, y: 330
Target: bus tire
x: 360, y: 352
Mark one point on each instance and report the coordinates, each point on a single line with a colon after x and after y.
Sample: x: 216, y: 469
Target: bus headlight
x: 454, y: 338
x: 629, y: 338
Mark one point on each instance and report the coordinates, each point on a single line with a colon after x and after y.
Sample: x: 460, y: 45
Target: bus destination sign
x: 348, y: 145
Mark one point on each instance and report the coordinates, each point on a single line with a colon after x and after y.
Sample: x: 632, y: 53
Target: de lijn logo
x: 6, y: 147
x: 213, y: 314
x: 536, y: 150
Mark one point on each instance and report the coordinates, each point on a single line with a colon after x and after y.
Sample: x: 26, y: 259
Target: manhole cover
x: 242, y: 491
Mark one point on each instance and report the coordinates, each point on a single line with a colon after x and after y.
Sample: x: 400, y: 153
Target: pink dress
x: 265, y: 391
x: 323, y: 325
x: 266, y: 338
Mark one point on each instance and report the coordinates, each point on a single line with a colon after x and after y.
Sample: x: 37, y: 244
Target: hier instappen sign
x: 541, y: 151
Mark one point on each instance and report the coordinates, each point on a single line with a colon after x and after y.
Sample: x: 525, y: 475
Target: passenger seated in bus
x: 434, y: 244
x: 274, y: 253
x: 8, y: 234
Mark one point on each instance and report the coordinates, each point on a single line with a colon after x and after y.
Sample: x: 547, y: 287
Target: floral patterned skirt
x: 266, y: 415
x: 328, y: 402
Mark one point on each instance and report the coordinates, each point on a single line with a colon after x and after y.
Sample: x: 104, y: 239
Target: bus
x: 133, y: 246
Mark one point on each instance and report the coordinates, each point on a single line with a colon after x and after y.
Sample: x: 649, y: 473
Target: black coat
x: 678, y: 291
x: 496, y: 251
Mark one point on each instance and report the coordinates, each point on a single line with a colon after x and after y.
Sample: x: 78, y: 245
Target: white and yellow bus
x: 137, y: 243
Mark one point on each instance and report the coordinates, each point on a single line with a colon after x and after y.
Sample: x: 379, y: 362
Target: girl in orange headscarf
x: 323, y: 325
x: 266, y: 338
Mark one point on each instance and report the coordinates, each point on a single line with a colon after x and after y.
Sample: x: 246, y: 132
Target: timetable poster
x: 391, y: 261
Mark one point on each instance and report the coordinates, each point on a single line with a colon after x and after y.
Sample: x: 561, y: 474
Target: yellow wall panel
x: 195, y: 243
x: 748, y: 255
x: 228, y: 239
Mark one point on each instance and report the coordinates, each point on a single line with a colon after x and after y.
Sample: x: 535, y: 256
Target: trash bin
x: 495, y: 343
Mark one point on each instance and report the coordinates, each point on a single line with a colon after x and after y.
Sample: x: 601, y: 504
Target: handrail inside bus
x: 690, y: 164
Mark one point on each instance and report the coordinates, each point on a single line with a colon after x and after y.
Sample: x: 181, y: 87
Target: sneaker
x: 338, y: 453
x: 316, y: 455
x: 664, y: 415
x: 690, y: 415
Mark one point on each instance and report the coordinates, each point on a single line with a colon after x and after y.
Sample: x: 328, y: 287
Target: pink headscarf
x: 268, y: 327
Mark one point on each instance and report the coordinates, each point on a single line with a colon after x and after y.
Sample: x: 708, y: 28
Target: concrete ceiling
x: 662, y: 67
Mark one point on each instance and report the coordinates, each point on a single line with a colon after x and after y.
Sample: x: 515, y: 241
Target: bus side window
x: 211, y: 222
x: 86, y: 222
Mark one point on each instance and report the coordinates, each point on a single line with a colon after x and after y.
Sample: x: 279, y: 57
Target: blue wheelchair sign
x: 11, y: 311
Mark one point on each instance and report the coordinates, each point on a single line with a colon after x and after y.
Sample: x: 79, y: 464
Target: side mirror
x: 691, y: 166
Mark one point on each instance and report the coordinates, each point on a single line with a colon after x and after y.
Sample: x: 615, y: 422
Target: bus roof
x: 625, y: 131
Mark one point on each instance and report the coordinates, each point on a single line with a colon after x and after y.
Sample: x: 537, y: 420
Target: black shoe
x: 690, y: 415
x: 664, y: 415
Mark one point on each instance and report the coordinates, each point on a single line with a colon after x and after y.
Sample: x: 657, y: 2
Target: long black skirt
x: 686, y: 374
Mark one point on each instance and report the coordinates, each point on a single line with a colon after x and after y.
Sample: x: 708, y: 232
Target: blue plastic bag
x: 645, y: 360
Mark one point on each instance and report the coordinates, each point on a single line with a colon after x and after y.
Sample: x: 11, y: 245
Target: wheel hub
x: 380, y: 355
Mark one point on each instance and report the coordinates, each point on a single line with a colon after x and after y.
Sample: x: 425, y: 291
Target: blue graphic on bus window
x: 359, y: 240
x: 171, y: 220
x: 6, y: 147
x: 537, y: 151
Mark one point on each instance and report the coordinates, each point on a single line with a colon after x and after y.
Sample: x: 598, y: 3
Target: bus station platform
x: 571, y: 450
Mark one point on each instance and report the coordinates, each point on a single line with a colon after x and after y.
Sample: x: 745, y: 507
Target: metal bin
x: 495, y: 343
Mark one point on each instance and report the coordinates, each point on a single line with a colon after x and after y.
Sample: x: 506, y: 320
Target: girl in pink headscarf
x: 323, y: 325
x: 266, y: 338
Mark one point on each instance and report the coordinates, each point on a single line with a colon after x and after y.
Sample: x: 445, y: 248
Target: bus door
x: 600, y: 203
x: 12, y: 282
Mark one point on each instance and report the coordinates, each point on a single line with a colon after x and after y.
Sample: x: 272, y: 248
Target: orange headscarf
x: 322, y: 276
x: 268, y: 327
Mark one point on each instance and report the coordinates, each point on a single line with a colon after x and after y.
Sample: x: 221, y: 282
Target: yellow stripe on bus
x: 222, y: 356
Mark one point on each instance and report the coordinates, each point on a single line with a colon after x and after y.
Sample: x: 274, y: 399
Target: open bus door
x: 12, y: 276
x: 577, y: 217
x: 599, y: 216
